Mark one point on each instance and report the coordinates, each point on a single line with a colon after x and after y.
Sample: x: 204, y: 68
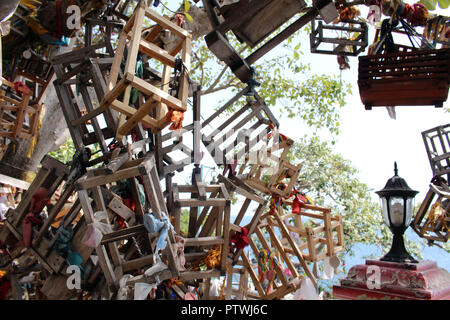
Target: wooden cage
x: 432, y: 221
x: 437, y: 145
x: 266, y: 168
x: 118, y: 92
x: 19, y: 118
x: 271, y: 256
x: 113, y: 265
x: 317, y: 233
x: 80, y: 71
x: 35, y: 71
x: 61, y: 214
x: 252, y: 201
x: 229, y: 138
x: 208, y: 233
x: 415, y: 78
x: 347, y: 38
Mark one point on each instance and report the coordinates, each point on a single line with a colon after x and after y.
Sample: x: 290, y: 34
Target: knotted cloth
x: 240, y: 239
x: 155, y: 225
x: 96, y: 230
x: 63, y: 243
x: 38, y: 201
x: 266, y: 266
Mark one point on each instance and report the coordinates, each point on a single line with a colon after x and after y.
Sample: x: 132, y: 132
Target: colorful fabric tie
x: 240, y: 239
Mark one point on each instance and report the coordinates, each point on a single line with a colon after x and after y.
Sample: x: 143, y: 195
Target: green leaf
x: 296, y: 55
x: 187, y: 5
x: 429, y: 4
x: 188, y: 16
x: 443, y: 4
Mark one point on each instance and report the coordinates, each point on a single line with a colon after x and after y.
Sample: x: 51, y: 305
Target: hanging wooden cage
x: 94, y: 181
x: 229, y: 138
x: 18, y: 117
x: 77, y: 72
x: 432, y: 221
x: 437, y: 145
x: 206, y: 241
x: 353, y: 39
x: 37, y: 71
x: 51, y: 183
x: 317, y: 232
x: 414, y: 78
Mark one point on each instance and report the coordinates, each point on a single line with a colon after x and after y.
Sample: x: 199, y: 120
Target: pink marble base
x: 383, y: 280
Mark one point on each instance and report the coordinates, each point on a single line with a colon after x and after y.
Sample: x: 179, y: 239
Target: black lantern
x: 397, y: 205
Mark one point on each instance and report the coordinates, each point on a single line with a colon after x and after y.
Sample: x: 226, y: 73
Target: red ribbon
x: 297, y: 204
x: 230, y: 167
x: 38, y: 201
x: 5, y: 286
x: 20, y: 88
x: 58, y: 18
x: 413, y: 14
x: 240, y: 239
x: 30, y: 220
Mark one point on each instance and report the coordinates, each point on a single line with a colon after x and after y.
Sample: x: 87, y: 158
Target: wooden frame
x: 392, y: 79
x: 51, y: 176
x: 321, y: 232
x: 214, y: 219
x: 233, y: 136
x: 237, y: 290
x: 156, y: 97
x: 39, y: 71
x: 259, y: 160
x: 238, y: 188
x: 273, y: 243
x: 16, y: 126
x: 81, y: 69
x: 429, y: 225
x: 322, y: 36
x: 437, y: 145
x: 145, y: 168
x: 109, y: 25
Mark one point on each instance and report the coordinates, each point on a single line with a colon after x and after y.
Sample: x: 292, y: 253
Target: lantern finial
x: 395, y: 168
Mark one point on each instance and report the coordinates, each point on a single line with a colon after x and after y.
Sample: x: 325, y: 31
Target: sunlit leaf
x: 429, y: 4
x: 443, y: 4
x: 188, y: 16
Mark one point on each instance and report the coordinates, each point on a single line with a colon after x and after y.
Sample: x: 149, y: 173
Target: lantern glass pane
x: 384, y: 208
x: 409, y: 210
x: 396, y: 211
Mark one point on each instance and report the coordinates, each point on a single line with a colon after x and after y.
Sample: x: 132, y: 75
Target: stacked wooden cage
x: 109, y: 215
x: 432, y: 220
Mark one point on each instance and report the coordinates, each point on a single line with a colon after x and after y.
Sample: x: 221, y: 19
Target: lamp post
x: 397, y: 275
x: 397, y: 202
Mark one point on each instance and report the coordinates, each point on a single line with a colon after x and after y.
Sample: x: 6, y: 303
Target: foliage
x: 432, y: 4
x: 65, y: 152
x: 290, y: 86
